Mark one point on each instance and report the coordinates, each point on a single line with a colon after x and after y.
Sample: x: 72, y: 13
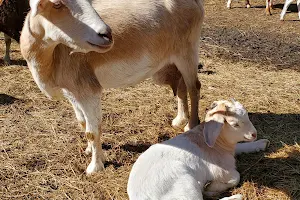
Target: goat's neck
x: 221, y: 146
x: 224, y: 146
x: 37, y: 52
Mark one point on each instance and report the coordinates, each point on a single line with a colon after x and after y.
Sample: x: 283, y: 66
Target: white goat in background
x: 71, y: 51
x: 180, y: 168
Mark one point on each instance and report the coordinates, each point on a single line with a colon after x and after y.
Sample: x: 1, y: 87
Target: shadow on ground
x: 19, y: 62
x: 7, y: 99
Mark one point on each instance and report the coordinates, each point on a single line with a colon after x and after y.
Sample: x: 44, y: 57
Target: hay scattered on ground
x: 42, y: 145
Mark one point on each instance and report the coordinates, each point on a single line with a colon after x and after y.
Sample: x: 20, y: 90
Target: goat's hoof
x: 94, y: 167
x: 263, y: 144
x: 268, y: 13
x: 248, y: 6
x: 88, y: 150
x: 7, y: 61
x: 187, y: 128
x: 179, y: 122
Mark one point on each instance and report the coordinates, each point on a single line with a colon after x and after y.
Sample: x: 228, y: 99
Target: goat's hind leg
x: 182, y: 111
x: 188, y: 66
x: 6, y: 59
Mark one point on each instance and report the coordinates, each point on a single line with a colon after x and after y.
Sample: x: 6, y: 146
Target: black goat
x: 12, y: 16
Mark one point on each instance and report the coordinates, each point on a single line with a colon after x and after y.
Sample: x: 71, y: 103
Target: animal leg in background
x: 7, y: 50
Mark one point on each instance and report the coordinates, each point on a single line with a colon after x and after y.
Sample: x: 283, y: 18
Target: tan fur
x: 156, y: 37
x: 126, y: 35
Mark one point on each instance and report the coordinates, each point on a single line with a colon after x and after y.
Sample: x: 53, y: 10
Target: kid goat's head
x: 73, y: 23
x: 229, y: 120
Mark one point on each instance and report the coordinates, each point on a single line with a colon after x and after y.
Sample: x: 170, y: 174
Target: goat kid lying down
x: 181, y: 167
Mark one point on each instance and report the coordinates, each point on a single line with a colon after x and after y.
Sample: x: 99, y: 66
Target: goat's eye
x: 236, y: 125
x: 57, y: 5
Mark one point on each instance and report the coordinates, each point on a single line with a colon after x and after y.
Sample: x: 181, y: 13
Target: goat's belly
x: 123, y: 74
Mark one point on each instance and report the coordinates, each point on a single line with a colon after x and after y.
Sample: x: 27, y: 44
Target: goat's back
x: 159, y: 27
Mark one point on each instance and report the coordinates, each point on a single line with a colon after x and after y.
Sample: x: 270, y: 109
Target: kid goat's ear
x: 214, y: 123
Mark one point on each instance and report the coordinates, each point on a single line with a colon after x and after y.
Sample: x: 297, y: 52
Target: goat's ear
x: 38, y: 5
x: 212, y: 129
x: 35, y: 6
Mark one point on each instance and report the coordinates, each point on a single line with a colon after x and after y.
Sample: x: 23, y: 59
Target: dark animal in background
x: 12, y: 16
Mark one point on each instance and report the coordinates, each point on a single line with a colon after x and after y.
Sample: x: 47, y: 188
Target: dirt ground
x: 246, y: 55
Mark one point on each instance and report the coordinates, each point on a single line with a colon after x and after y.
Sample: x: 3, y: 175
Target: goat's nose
x: 106, y: 34
x: 254, y: 135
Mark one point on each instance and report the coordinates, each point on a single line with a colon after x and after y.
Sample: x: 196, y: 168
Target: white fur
x: 181, y: 167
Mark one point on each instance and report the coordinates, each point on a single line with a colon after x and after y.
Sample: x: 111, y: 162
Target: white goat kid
x: 149, y: 38
x: 181, y: 167
x: 286, y: 6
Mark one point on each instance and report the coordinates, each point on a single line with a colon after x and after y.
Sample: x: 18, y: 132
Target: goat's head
x: 73, y: 23
x: 229, y: 119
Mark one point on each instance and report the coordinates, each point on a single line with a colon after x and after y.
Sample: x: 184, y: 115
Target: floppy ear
x: 212, y: 129
x: 38, y: 5
x: 214, y: 123
x: 35, y: 6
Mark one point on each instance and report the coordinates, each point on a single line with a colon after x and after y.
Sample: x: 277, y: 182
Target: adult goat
x: 71, y: 51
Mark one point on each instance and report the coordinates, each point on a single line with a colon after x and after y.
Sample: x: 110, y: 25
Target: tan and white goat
x: 76, y: 49
x: 181, y: 168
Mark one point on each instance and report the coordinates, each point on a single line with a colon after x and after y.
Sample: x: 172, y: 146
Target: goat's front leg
x: 250, y: 147
x: 7, y: 50
x: 91, y: 109
x: 229, y: 180
x: 79, y: 116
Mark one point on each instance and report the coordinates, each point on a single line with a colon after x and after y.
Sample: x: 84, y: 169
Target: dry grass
x: 42, y: 146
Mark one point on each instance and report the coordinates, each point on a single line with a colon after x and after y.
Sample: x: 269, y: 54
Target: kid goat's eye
x: 57, y: 5
x: 236, y: 125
